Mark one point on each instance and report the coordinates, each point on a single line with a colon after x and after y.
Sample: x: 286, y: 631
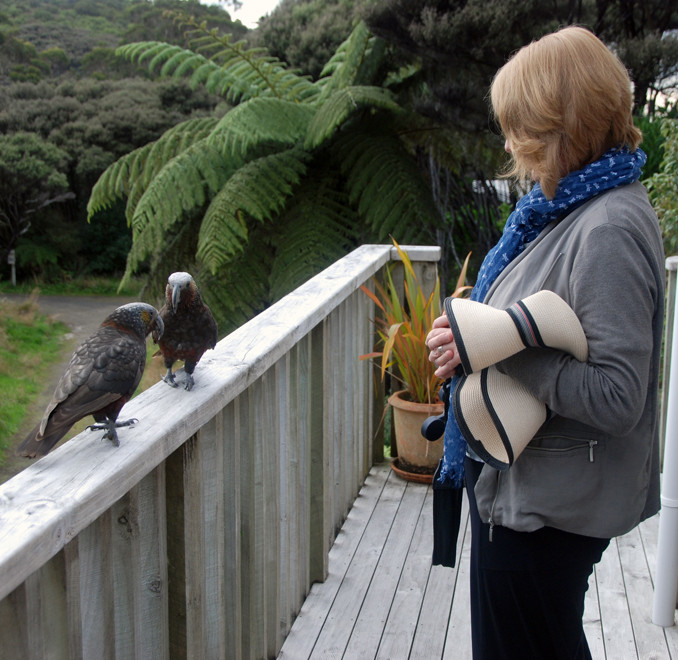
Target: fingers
x: 446, y: 362
x: 438, y: 341
x: 441, y: 322
x: 443, y: 352
x: 438, y: 336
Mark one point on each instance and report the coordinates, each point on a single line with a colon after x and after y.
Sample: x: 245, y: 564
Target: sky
x: 250, y: 12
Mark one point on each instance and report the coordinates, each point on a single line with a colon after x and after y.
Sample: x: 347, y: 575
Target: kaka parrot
x: 190, y: 328
x: 101, y: 377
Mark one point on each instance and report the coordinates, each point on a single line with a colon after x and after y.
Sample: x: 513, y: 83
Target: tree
x: 641, y: 33
x: 94, y: 122
x: 283, y: 184
x: 31, y: 178
x: 461, y: 44
x: 663, y: 187
x: 306, y: 33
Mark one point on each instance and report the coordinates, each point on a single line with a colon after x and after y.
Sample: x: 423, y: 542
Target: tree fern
x: 284, y: 183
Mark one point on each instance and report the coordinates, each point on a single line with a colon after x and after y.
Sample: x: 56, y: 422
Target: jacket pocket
x: 562, y: 446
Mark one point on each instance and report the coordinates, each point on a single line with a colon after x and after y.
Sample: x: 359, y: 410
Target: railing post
x: 320, y: 505
x: 666, y: 583
x: 671, y: 278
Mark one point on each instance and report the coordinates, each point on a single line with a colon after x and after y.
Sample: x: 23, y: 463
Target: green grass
x: 91, y: 286
x: 29, y: 344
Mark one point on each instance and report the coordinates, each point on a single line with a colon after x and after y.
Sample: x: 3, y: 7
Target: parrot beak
x: 159, y: 329
x: 176, y: 295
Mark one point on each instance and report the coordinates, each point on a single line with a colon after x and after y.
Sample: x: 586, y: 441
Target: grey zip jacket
x: 593, y: 467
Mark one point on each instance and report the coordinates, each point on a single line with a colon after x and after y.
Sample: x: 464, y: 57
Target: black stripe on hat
x: 526, y: 325
x: 471, y: 440
x: 497, y: 422
x: 461, y: 349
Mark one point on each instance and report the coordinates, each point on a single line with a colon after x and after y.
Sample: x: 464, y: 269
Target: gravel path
x: 82, y: 314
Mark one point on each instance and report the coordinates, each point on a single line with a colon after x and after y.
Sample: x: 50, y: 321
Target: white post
x: 11, y: 260
x: 666, y: 578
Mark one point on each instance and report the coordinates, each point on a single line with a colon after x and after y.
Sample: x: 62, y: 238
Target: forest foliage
x: 248, y: 155
x: 64, y: 90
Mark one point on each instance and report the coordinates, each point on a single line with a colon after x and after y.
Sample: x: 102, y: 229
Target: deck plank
x: 383, y: 599
x: 347, y: 604
x: 458, y: 642
x: 374, y: 612
x: 593, y: 627
x: 650, y: 639
x: 403, y: 615
x: 614, y: 608
x: 311, y: 618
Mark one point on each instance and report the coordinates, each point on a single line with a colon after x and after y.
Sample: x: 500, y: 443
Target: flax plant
x: 402, y: 328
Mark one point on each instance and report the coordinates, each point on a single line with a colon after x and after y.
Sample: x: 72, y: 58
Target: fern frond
x: 235, y: 72
x: 114, y: 182
x: 182, y: 62
x: 354, y: 62
x: 143, y: 50
x: 130, y: 175
x: 356, y: 41
x: 385, y: 182
x: 172, y: 143
x: 183, y: 184
x: 181, y: 187
x: 259, y: 189
x: 253, y: 66
x: 240, y: 289
x: 338, y: 107
x: 262, y: 121
x: 312, y: 233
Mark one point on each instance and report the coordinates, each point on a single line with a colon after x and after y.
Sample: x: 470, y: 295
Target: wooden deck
x: 383, y: 599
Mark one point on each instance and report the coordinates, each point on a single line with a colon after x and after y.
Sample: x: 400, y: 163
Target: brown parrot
x: 190, y: 328
x: 102, y: 375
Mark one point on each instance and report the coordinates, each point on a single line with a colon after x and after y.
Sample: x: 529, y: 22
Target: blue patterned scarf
x: 616, y: 167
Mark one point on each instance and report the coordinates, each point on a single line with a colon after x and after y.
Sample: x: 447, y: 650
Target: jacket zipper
x: 592, y: 444
x: 494, y: 502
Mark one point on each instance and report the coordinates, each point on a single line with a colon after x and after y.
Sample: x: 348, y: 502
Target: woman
x: 587, y: 232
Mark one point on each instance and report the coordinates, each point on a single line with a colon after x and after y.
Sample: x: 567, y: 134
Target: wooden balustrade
x: 200, y: 536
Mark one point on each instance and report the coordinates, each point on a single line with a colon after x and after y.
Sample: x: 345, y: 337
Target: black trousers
x: 528, y: 588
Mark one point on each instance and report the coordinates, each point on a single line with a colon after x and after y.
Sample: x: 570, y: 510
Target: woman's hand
x: 440, y: 342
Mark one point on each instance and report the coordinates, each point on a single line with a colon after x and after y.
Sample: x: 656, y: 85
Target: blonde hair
x: 561, y: 102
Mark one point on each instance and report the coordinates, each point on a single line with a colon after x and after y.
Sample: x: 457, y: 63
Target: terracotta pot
x: 416, y: 454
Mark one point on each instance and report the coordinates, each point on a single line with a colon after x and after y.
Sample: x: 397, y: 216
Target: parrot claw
x: 110, y: 427
x: 169, y: 379
x: 189, y: 383
x: 126, y: 422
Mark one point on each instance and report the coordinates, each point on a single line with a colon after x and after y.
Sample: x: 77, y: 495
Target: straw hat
x: 485, y: 335
x: 497, y: 416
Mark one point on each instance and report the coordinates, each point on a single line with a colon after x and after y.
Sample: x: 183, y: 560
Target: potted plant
x: 402, y: 327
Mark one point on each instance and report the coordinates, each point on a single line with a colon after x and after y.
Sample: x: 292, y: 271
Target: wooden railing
x: 200, y: 536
